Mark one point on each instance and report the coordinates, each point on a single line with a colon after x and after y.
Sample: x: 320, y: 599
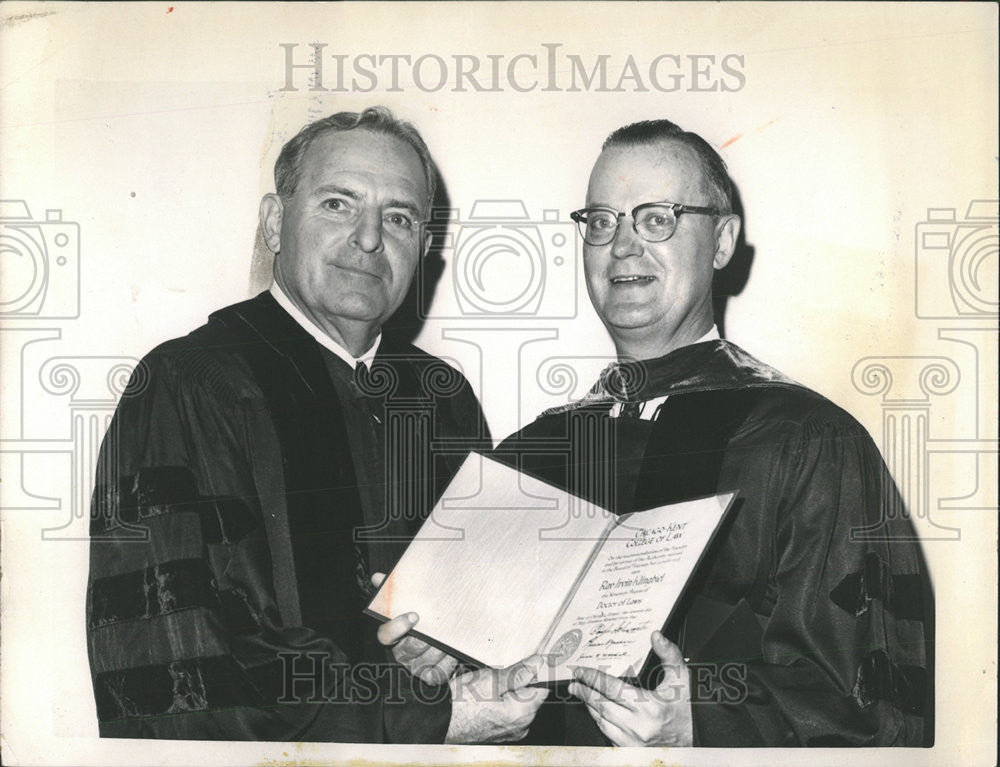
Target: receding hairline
x: 651, y: 132
x: 663, y: 142
x: 660, y: 142
x: 335, y: 133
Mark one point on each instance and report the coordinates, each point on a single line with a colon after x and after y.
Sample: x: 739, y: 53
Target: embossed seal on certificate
x: 564, y: 647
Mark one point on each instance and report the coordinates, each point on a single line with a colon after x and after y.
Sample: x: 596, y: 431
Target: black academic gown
x: 226, y: 580
x: 810, y: 623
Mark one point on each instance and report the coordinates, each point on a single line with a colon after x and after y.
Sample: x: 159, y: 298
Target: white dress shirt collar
x: 648, y: 410
x: 711, y: 335
x: 316, y: 332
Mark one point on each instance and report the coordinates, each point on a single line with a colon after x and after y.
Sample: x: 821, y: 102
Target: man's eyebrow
x: 342, y: 190
x: 353, y: 194
x: 405, y: 205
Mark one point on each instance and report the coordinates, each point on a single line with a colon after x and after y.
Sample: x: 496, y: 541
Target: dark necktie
x: 363, y: 382
x: 631, y: 410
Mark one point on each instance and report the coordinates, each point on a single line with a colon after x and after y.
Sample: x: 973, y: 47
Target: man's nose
x: 367, y: 235
x: 626, y: 242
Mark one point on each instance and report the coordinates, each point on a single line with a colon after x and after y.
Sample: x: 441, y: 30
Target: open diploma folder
x: 507, y: 566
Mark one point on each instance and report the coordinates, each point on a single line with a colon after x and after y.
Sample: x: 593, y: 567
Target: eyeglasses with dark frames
x: 653, y: 221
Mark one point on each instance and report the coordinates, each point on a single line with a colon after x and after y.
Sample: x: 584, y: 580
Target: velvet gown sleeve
x: 836, y: 649
x: 192, y: 624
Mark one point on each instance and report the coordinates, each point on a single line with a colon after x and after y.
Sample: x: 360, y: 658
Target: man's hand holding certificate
x: 488, y: 705
x: 421, y: 659
x: 632, y: 716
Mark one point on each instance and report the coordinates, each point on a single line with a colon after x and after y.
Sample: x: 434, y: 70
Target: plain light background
x: 155, y: 128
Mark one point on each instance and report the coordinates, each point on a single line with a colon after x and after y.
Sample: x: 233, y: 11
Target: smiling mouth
x: 632, y: 279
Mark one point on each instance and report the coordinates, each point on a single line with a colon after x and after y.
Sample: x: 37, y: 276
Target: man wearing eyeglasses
x: 259, y: 470
x: 810, y: 621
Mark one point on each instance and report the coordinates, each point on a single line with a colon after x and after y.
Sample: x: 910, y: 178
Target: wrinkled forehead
x: 380, y: 159
x: 624, y: 177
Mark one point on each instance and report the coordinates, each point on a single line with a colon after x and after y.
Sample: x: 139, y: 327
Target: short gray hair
x: 288, y: 168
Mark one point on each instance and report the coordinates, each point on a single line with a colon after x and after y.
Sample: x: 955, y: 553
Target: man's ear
x: 270, y: 221
x: 727, y: 233
x: 428, y: 239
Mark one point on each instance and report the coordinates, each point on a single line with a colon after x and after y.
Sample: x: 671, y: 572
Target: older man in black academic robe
x: 810, y: 622
x: 259, y: 470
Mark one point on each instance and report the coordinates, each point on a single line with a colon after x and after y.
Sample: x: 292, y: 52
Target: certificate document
x: 507, y: 566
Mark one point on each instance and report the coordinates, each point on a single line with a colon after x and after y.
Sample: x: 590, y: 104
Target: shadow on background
x: 409, y: 318
x: 731, y: 280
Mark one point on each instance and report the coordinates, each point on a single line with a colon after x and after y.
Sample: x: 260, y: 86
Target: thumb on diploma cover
x: 523, y: 673
x: 668, y: 653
